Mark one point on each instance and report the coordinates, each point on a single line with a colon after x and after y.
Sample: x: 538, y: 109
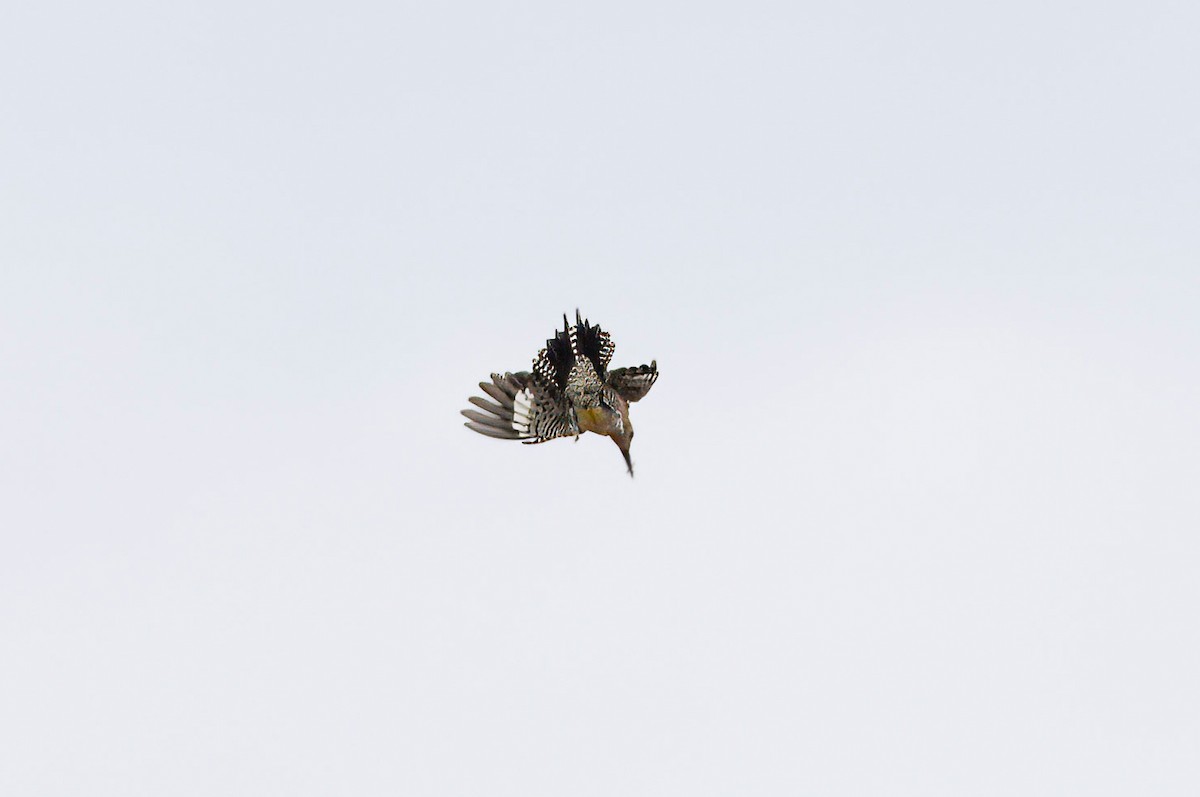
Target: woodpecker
x: 570, y: 391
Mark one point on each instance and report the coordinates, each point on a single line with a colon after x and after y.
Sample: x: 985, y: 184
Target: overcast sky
x: 916, y: 505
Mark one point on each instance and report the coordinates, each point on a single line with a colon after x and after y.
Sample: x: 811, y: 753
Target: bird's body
x: 570, y: 391
x: 602, y: 420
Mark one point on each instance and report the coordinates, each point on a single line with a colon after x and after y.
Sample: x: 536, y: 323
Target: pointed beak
x: 628, y: 461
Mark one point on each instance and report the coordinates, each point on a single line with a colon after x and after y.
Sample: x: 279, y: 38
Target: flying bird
x: 570, y: 391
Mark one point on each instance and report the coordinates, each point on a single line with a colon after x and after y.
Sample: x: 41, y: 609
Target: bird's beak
x: 628, y: 461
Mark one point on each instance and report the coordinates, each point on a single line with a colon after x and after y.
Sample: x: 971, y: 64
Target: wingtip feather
x: 491, y: 432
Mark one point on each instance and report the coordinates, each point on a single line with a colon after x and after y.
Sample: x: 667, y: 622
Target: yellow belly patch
x: 592, y: 419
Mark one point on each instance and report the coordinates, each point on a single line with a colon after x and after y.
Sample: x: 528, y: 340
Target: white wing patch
x: 522, y: 410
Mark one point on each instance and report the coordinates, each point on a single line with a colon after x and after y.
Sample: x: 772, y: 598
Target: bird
x: 569, y: 391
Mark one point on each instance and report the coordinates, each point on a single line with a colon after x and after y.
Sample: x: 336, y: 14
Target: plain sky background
x: 916, y: 510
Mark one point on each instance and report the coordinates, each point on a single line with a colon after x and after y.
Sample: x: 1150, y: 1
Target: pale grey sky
x: 916, y: 509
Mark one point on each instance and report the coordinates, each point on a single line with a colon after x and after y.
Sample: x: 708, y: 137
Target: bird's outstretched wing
x: 633, y: 383
x: 525, y: 408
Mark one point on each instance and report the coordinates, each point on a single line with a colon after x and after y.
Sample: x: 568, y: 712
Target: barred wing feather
x: 633, y: 383
x: 523, y: 407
